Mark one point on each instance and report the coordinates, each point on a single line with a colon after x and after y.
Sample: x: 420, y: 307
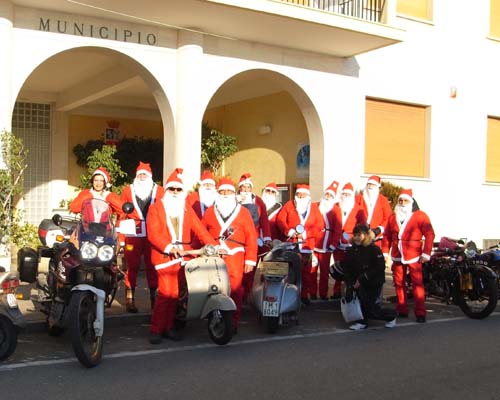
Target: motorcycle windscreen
x: 96, y: 220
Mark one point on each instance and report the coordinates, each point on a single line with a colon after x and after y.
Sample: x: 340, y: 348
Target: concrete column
x: 6, y: 24
x: 183, y: 147
x: 59, y: 163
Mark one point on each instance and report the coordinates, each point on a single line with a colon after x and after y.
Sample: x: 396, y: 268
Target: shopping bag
x: 351, y: 310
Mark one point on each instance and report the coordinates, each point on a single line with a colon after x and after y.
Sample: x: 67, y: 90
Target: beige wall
x: 82, y: 128
x: 269, y: 157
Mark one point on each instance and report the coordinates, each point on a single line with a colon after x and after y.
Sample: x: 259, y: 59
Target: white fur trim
x: 405, y: 196
x: 144, y: 171
x: 226, y: 186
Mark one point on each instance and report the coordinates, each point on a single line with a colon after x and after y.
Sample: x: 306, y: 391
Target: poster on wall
x: 302, y: 160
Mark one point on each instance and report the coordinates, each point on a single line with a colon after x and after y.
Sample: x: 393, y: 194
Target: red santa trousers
x: 236, y: 267
x: 133, y: 259
x: 324, y: 260
x: 399, y: 276
x: 308, y: 276
x: 338, y: 255
x: 165, y: 308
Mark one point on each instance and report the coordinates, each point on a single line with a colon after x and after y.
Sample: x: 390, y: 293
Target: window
x: 396, y: 139
x: 493, y: 150
x: 495, y: 18
x: 421, y: 9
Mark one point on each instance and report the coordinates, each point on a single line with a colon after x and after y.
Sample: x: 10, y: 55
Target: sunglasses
x: 174, y: 189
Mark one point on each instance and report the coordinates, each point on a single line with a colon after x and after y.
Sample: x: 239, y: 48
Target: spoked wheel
x: 86, y: 345
x: 8, y: 338
x: 478, y: 294
x: 272, y: 324
x: 220, y: 326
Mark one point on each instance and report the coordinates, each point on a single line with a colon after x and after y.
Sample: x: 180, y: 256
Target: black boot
x: 130, y: 301
x: 152, y: 297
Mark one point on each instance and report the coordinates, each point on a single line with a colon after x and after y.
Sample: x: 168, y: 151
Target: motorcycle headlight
x: 105, y: 253
x: 88, y: 251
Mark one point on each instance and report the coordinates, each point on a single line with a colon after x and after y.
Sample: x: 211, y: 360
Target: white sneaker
x: 357, y: 327
x: 391, y: 324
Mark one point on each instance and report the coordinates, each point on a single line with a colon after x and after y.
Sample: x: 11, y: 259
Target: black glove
x: 377, y: 231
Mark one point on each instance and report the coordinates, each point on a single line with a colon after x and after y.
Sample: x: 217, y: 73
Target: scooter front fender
x: 218, y: 302
x: 101, y: 295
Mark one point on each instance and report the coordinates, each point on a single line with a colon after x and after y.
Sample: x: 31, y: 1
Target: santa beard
x: 403, y: 211
x: 269, y: 199
x: 225, y: 204
x: 326, y: 205
x: 143, y: 188
x: 207, y: 196
x: 346, y: 204
x: 371, y: 193
x: 301, y: 204
x: 174, y: 204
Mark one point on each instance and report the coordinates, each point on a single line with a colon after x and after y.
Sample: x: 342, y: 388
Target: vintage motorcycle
x: 11, y: 319
x: 277, y: 284
x: 491, y: 258
x: 77, y: 278
x: 454, y: 275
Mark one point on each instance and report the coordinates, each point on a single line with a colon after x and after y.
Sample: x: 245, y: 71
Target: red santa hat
x: 207, y: 177
x: 272, y: 186
x: 375, y: 180
x: 406, y: 194
x: 245, y: 180
x: 104, y: 173
x: 348, y: 188
x: 332, y: 189
x: 303, y: 189
x: 144, y: 168
x: 175, y: 179
x: 226, y: 184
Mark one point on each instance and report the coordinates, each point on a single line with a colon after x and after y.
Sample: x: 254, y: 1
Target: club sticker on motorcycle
x: 11, y: 300
x: 270, y: 308
x: 274, y: 267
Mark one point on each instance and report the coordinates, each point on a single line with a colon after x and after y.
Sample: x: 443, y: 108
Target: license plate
x: 11, y: 300
x: 270, y: 309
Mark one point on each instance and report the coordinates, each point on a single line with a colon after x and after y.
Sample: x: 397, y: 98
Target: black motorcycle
x: 453, y: 275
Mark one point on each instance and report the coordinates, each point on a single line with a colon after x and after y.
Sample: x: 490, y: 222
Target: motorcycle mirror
x: 127, y: 207
x: 260, y: 242
x: 57, y: 219
x: 300, y: 229
x: 345, y: 236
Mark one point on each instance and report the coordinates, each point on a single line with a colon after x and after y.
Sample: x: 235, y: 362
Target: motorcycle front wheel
x: 479, y: 301
x: 86, y: 345
x: 220, y: 326
x: 8, y: 338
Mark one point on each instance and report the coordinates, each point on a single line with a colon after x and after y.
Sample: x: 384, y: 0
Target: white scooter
x: 277, y: 284
x: 207, y: 294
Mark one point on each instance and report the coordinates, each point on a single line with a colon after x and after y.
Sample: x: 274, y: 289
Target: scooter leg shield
x: 218, y: 302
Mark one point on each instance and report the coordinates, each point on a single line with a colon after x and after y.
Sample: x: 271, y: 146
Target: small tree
x: 215, y: 148
x: 390, y: 191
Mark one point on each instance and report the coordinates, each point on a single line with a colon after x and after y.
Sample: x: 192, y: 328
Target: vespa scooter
x: 277, y: 284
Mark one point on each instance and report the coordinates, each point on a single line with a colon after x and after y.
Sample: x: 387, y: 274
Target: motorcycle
x: 277, y: 284
x: 454, y: 275
x: 491, y: 258
x: 11, y: 318
x: 77, y: 277
x: 206, y: 294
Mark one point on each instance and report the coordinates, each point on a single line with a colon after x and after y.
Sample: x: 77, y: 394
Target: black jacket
x: 366, y: 264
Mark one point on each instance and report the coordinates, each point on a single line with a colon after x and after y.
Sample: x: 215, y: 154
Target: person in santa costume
x: 205, y: 196
x: 258, y: 211
x: 322, y: 251
x: 142, y: 193
x: 409, y: 237
x: 302, y: 211
x: 227, y: 216
x: 100, y: 182
x: 273, y: 207
x: 347, y: 214
x: 170, y: 227
x: 376, y: 207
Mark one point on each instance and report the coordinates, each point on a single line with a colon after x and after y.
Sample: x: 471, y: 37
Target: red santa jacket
x: 323, y: 240
x: 272, y: 214
x: 288, y: 218
x: 128, y: 195
x: 111, y: 198
x: 162, y: 235
x: 379, y: 214
x: 244, y: 237
x: 356, y: 216
x: 405, y: 241
x: 193, y: 200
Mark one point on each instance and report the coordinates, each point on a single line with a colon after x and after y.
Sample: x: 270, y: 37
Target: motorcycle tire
x: 220, y: 326
x: 272, y: 324
x: 482, y: 300
x: 86, y: 345
x: 8, y: 338
x: 55, y: 330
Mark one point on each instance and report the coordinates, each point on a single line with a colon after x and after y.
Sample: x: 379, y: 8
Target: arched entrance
x: 81, y: 94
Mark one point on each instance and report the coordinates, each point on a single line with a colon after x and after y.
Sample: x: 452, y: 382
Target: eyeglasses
x: 174, y: 189
x: 268, y: 191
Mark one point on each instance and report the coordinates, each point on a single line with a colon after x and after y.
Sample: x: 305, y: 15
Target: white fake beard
x: 301, y: 204
x: 346, y: 204
x: 371, y: 193
x: 225, y: 204
x: 207, y: 196
x: 403, y: 212
x: 142, y: 189
x: 326, y: 205
x: 269, y: 199
x: 174, y: 204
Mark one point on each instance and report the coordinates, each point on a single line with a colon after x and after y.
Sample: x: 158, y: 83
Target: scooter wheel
x: 8, y: 338
x: 220, y: 326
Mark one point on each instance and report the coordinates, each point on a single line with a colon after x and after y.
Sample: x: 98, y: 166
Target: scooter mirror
x: 345, y: 236
x: 300, y: 229
x: 260, y: 242
x: 127, y: 207
x: 57, y: 219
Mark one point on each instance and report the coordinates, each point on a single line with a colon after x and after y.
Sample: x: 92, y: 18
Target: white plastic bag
x: 351, y: 311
